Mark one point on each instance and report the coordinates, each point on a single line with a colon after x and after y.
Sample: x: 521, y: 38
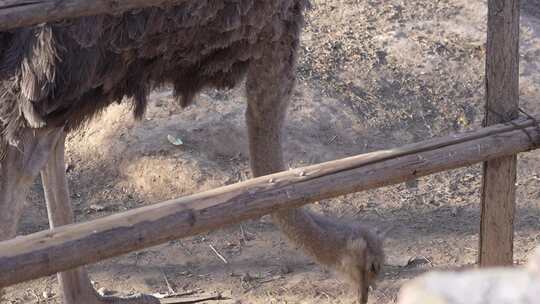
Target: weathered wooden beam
x: 502, y: 97
x: 20, y: 13
x: 47, y: 252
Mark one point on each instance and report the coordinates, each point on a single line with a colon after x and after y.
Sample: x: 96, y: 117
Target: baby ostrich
x: 54, y: 77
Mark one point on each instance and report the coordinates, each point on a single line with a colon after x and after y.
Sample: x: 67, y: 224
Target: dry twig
x: 218, y: 254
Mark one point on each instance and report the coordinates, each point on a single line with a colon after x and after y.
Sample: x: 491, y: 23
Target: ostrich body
x: 56, y: 76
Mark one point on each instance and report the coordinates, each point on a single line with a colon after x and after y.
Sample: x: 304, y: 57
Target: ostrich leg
x: 14, y: 183
x: 349, y: 248
x: 75, y: 284
x: 19, y: 166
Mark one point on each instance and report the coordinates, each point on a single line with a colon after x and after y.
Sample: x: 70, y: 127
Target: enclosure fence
x: 504, y: 136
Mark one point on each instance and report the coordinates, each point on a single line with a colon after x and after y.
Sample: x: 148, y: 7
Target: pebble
x: 104, y: 291
x: 47, y: 294
x: 97, y: 208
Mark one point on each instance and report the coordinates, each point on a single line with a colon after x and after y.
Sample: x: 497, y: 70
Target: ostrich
x: 56, y: 76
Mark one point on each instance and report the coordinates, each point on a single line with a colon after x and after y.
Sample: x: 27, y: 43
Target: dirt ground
x: 372, y: 75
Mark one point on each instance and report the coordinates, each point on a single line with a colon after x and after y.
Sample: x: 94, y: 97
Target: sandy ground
x: 372, y: 75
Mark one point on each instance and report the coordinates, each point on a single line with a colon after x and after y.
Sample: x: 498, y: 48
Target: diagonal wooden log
x: 20, y: 13
x: 47, y: 252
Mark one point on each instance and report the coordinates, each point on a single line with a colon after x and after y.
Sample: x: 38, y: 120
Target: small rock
x: 47, y: 294
x: 69, y: 167
x: 176, y: 141
x: 97, y: 208
x: 104, y: 291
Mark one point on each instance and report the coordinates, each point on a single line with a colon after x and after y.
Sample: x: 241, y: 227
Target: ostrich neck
x: 307, y: 231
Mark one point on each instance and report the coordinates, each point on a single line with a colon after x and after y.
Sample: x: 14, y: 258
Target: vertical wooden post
x: 502, y: 97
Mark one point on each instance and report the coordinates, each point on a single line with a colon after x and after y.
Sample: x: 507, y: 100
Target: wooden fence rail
x: 47, y: 252
x: 20, y: 13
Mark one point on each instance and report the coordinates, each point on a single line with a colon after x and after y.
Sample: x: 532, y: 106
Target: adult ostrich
x: 56, y: 76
